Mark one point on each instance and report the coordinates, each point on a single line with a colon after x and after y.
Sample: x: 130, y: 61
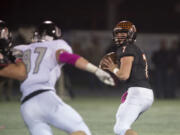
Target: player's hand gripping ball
x: 112, y: 56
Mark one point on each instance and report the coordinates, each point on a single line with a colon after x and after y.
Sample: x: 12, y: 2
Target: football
x: 111, y: 55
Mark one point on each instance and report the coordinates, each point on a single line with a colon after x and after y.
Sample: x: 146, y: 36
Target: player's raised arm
x: 81, y: 63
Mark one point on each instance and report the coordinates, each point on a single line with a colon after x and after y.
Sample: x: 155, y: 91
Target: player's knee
x: 78, y: 133
x: 120, y: 130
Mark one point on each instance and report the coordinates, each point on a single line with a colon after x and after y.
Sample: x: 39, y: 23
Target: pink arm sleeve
x: 68, y: 58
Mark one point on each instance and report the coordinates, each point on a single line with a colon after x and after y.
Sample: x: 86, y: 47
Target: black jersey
x: 139, y: 72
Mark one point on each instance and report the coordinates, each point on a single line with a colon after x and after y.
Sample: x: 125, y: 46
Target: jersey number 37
x: 40, y: 51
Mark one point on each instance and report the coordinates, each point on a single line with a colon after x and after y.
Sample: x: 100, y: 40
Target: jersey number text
x: 27, y: 58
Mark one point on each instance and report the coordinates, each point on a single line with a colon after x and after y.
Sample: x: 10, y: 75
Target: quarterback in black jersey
x: 131, y: 68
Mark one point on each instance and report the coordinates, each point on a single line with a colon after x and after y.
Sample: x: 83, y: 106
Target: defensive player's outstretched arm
x: 83, y: 64
x: 15, y: 71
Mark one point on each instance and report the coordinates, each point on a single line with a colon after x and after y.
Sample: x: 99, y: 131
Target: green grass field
x: 99, y: 113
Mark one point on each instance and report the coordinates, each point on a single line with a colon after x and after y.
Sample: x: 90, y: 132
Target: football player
x: 132, y: 71
x: 44, y: 58
x: 9, y: 65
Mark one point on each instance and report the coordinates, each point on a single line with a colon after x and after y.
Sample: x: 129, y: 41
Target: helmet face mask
x: 47, y: 31
x: 124, y: 32
x: 120, y: 37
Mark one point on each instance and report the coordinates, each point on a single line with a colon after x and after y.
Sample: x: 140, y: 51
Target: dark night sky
x: 148, y: 15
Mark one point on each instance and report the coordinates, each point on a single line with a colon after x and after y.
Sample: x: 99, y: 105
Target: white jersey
x: 41, y: 64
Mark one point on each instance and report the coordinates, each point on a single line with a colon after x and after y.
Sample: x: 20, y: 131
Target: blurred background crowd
x: 87, y: 27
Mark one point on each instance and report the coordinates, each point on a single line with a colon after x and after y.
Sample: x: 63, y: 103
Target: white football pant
x: 137, y: 101
x: 48, y: 109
